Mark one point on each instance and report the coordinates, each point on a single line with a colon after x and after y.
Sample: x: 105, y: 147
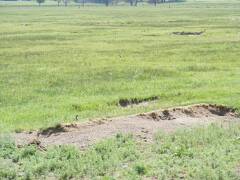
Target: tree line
x: 109, y: 2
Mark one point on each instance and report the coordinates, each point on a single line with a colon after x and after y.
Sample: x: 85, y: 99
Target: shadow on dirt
x: 136, y: 101
x: 184, y: 33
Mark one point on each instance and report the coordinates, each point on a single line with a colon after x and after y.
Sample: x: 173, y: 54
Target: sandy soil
x: 142, y: 126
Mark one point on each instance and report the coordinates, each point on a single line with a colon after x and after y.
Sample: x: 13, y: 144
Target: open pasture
x: 69, y: 64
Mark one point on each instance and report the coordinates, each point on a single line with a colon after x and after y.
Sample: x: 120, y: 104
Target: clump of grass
x: 140, y: 169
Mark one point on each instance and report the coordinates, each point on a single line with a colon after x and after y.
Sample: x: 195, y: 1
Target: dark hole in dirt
x: 52, y: 130
x: 35, y: 142
x: 188, y: 112
x: 135, y: 101
x: 220, y: 110
x: 164, y: 115
x: 184, y: 33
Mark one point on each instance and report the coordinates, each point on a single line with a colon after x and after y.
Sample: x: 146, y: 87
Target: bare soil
x: 238, y: 170
x: 142, y: 126
x: 136, y: 101
x: 184, y: 33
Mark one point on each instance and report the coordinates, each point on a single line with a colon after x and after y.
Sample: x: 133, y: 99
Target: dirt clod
x: 35, y: 142
x: 166, y: 115
x: 184, y: 33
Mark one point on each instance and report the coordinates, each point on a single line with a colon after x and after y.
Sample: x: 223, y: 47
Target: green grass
x: 56, y: 63
x: 204, y: 153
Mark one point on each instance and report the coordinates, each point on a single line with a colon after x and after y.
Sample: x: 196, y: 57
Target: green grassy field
x: 56, y: 63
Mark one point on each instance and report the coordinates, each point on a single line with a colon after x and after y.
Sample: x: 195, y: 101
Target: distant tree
x: 40, y: 2
x: 65, y: 2
x: 80, y: 1
x: 83, y: 3
x: 136, y: 2
x: 154, y: 2
x: 58, y: 1
x: 107, y: 2
x: 132, y: 2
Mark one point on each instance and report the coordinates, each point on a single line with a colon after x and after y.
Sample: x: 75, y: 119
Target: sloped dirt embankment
x: 142, y: 126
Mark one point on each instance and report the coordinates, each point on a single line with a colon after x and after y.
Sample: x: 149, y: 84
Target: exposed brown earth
x: 238, y: 170
x: 184, y: 33
x: 136, y: 101
x: 142, y: 126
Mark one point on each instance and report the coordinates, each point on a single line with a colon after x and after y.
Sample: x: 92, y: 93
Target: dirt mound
x: 196, y: 111
x: 142, y: 126
x: 136, y: 101
x: 183, y: 33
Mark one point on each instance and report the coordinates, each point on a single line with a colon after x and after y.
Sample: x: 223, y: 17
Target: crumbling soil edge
x: 143, y: 125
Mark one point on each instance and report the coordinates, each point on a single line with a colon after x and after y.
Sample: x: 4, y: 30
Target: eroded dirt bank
x: 142, y: 126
